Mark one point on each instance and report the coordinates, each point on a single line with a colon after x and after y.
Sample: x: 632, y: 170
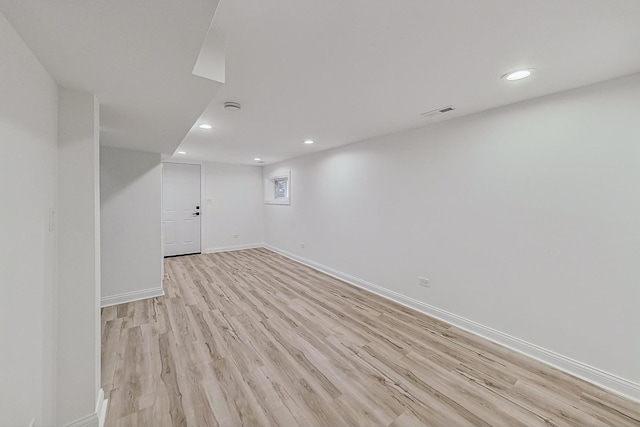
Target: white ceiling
x: 135, y: 55
x: 333, y: 71
x: 342, y: 71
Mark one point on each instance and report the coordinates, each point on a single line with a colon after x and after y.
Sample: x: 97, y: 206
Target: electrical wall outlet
x: 423, y: 281
x: 301, y: 245
x: 235, y: 236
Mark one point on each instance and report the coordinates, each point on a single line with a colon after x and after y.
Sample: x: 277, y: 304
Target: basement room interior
x: 344, y: 213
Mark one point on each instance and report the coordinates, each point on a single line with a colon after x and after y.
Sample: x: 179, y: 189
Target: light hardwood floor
x: 250, y: 338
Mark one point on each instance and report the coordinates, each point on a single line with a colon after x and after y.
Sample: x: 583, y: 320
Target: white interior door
x: 181, y: 208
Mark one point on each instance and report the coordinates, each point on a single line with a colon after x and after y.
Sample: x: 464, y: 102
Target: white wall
x: 131, y: 225
x: 232, y: 207
x: 79, y: 336
x: 28, y: 178
x: 525, y: 218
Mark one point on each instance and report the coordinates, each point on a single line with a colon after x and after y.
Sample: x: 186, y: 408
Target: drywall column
x: 131, y: 244
x: 78, y: 379
x: 28, y: 176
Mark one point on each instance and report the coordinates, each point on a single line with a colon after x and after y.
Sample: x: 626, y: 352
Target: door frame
x: 203, y: 205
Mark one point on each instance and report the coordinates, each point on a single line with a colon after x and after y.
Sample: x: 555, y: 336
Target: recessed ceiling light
x: 308, y: 141
x: 182, y: 152
x: 518, y: 74
x: 205, y: 126
x: 257, y: 159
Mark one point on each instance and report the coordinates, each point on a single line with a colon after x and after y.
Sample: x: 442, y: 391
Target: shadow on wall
x: 121, y: 168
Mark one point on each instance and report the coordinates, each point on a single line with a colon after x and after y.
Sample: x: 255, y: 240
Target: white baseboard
x: 578, y: 369
x: 95, y: 419
x: 90, y: 420
x: 233, y: 248
x: 131, y: 296
x: 101, y: 408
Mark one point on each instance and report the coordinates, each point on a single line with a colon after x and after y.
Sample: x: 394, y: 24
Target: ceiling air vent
x: 233, y: 106
x: 438, y: 111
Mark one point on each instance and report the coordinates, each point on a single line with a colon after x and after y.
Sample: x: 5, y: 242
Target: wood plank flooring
x: 250, y: 338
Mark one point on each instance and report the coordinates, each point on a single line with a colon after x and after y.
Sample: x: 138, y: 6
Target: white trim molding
x: 90, y: 420
x: 95, y: 419
x: 101, y: 408
x: 131, y: 296
x: 578, y: 369
x: 233, y: 248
